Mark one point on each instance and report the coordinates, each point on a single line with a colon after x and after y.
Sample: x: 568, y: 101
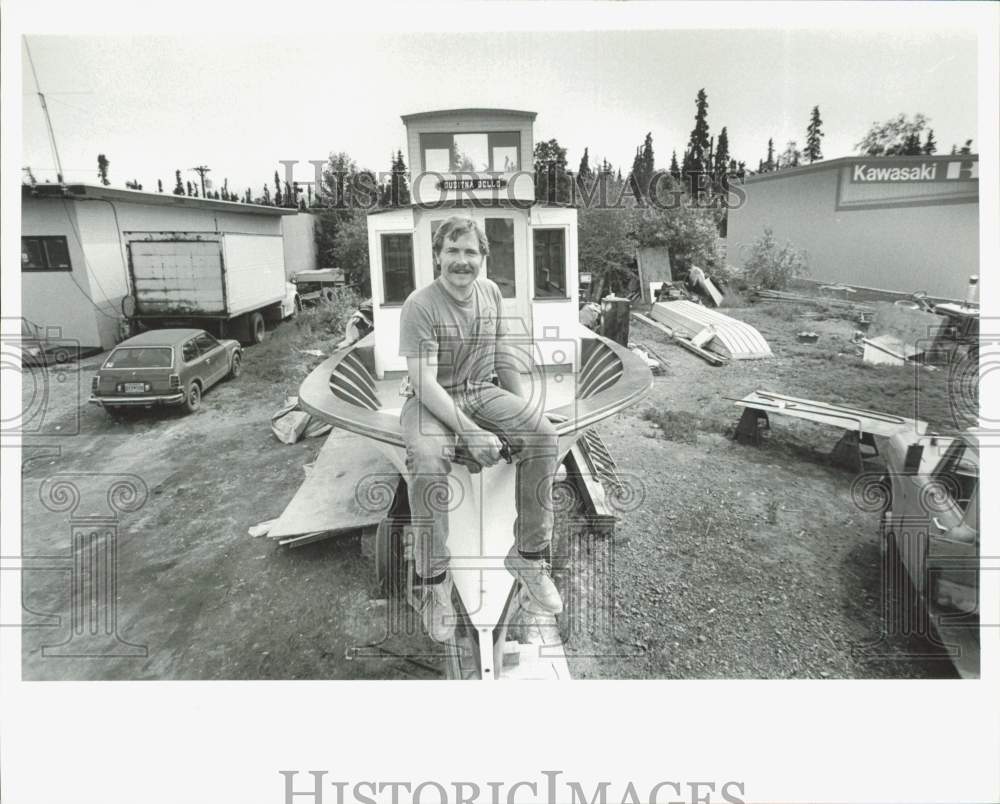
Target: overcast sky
x: 239, y: 104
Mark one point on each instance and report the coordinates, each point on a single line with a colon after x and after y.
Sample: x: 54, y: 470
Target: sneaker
x: 535, y: 576
x: 436, y: 610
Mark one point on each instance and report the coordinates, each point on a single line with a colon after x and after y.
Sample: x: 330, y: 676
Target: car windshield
x: 140, y: 357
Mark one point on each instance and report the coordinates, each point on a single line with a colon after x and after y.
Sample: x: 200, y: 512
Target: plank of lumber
x: 714, y: 359
x: 703, y: 338
x: 843, y: 416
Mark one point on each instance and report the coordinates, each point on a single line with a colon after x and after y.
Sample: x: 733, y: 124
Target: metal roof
x: 407, y: 118
x: 75, y: 192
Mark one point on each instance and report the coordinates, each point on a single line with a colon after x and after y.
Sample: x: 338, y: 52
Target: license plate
x: 135, y: 387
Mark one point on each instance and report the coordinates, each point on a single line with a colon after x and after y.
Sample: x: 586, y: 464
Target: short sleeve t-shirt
x: 462, y: 333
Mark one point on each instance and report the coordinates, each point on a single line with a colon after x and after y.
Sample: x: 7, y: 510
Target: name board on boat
x: 472, y: 184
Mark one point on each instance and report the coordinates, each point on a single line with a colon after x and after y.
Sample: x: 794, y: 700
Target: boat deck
x: 559, y: 390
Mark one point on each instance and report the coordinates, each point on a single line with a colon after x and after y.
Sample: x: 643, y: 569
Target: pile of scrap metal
x: 318, y: 286
x: 713, y: 336
x: 703, y: 285
x: 669, y: 291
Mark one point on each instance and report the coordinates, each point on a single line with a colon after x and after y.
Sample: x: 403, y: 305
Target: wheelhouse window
x: 397, y: 267
x: 493, y: 152
x: 500, y: 263
x: 45, y: 254
x: 550, y: 263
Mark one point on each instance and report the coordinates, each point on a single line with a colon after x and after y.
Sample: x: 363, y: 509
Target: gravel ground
x: 733, y: 561
x: 741, y: 561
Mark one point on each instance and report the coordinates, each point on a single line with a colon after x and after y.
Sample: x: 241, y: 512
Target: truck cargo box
x: 205, y: 275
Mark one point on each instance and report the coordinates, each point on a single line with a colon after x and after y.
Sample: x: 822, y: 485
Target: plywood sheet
x: 334, y: 496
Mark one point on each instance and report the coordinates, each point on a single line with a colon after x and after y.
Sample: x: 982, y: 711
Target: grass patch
x: 277, y: 361
x: 683, y: 427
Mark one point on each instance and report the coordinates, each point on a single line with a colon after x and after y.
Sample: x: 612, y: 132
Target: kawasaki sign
x: 932, y: 170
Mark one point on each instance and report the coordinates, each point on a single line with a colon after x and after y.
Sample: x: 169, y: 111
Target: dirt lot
x: 740, y: 562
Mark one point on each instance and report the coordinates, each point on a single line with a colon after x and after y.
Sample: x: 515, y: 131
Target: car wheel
x: 257, y: 329
x: 236, y: 365
x: 193, y: 399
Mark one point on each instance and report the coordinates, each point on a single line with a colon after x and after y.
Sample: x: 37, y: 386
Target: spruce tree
x: 912, y: 146
x: 769, y: 164
x: 966, y: 149
x: 721, y: 167
x: 277, y: 190
x: 675, y: 169
x: 179, y: 187
x: 647, y: 163
x: 814, y: 134
x: 695, y: 159
x: 584, y: 171
x: 102, y: 169
x: 930, y: 146
x: 188, y: 184
x: 159, y: 185
x: 399, y: 187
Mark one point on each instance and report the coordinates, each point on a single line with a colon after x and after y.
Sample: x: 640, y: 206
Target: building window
x: 44, y: 254
x: 550, y: 264
x: 397, y: 267
x: 500, y: 263
x: 494, y: 152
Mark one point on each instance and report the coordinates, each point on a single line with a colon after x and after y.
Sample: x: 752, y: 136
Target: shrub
x: 771, y: 267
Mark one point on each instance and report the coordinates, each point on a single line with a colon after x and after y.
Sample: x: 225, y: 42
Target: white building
x: 895, y: 224
x: 75, y: 249
x: 477, y: 162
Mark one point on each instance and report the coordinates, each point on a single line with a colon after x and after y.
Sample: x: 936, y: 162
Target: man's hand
x: 483, y: 446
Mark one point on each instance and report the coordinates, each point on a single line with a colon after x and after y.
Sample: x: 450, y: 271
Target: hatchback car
x: 930, y: 533
x: 164, y: 367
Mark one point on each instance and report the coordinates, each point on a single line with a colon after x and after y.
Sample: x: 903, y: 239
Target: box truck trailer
x: 229, y: 284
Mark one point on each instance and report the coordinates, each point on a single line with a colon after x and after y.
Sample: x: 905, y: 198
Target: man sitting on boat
x: 455, y: 341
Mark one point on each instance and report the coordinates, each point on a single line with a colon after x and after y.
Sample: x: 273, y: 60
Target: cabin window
x: 550, y: 264
x: 397, y: 267
x: 500, y: 263
x: 45, y: 254
x: 493, y: 152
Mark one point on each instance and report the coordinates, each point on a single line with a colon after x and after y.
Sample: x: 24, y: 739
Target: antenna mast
x: 45, y: 108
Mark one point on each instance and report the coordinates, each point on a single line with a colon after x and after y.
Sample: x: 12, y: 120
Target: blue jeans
x: 430, y: 447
